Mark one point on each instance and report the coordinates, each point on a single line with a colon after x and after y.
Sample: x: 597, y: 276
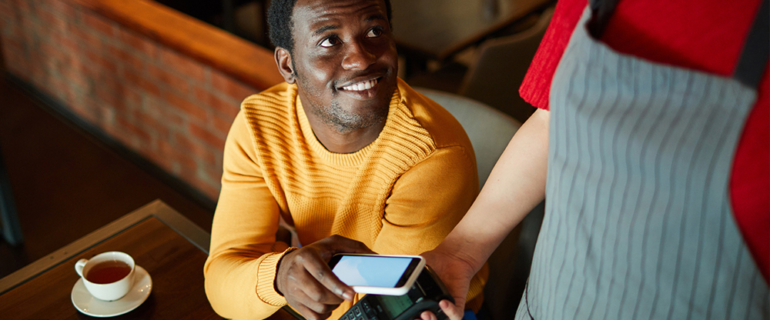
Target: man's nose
x: 358, y: 57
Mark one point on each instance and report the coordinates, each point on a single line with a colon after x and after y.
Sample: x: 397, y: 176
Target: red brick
x: 139, y: 43
x: 87, y: 38
x: 160, y: 110
x: 51, y: 20
x: 172, y: 80
x: 36, y: 70
x: 184, y: 65
x: 135, y: 131
x: 91, y: 104
x: 105, y: 96
x: 105, y: 114
x: 141, y: 82
x: 74, y: 74
x: 99, y: 24
x: 131, y: 98
x: 12, y: 43
x: 195, y: 147
x: 119, y: 93
x: 231, y: 87
x: 212, y: 140
x: 100, y: 62
x: 6, y: 13
x: 229, y: 109
x: 51, y: 52
x: 114, y: 84
x: 112, y: 98
x: 178, y: 156
x: 187, y: 162
x: 63, y: 8
x: 23, y: 5
x: 61, y: 89
x: 64, y: 41
x: 129, y: 60
x: 186, y: 107
x: 15, y: 59
x: 9, y: 27
x: 221, y: 125
x: 6, y: 5
x: 150, y: 124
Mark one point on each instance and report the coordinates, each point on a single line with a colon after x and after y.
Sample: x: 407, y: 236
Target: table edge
x: 158, y: 209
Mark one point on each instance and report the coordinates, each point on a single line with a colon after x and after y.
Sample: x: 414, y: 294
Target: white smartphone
x: 390, y: 275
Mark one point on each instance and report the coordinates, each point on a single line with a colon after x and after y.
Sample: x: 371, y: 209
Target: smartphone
x: 390, y: 275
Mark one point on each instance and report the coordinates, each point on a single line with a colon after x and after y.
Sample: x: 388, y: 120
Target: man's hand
x: 456, y: 275
x: 307, y: 283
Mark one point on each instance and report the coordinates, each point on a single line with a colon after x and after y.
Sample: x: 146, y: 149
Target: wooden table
x: 171, y: 248
x: 436, y: 29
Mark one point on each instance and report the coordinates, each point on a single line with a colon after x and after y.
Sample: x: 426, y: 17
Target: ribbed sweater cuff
x: 266, y: 272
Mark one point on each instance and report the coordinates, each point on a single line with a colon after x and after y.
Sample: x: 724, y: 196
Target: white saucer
x: 91, y: 306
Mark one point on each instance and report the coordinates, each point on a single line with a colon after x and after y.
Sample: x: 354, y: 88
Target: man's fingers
x: 319, y: 270
x: 314, y: 305
x: 309, y: 314
x: 452, y: 311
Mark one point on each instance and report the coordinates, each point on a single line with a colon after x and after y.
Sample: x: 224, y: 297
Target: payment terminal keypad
x: 361, y: 311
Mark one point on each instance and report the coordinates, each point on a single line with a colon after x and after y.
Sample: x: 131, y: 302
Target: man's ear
x: 283, y: 60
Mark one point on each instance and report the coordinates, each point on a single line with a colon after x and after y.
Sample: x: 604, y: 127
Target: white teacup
x: 108, y: 276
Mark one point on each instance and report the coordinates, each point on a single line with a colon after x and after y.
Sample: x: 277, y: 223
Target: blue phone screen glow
x: 371, y: 271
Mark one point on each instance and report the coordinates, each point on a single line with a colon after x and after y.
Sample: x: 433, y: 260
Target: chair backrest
x: 488, y: 129
x: 499, y: 68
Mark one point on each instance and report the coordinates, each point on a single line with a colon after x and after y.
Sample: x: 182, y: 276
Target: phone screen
x: 371, y: 271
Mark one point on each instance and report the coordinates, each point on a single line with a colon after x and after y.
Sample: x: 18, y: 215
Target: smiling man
x: 345, y: 152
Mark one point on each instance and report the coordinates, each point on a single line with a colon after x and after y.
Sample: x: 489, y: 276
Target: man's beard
x: 343, y: 121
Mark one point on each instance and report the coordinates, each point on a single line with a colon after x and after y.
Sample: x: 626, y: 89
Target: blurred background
x: 106, y: 105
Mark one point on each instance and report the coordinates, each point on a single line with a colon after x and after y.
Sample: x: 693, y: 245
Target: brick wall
x: 165, y: 106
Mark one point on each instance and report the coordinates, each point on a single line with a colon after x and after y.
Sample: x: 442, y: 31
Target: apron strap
x: 601, y: 11
x: 751, y: 65
x: 756, y: 49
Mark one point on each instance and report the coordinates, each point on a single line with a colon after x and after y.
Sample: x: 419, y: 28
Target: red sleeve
x: 537, y: 83
x: 750, y: 180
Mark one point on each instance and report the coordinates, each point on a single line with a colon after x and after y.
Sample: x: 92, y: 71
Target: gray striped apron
x: 638, y: 221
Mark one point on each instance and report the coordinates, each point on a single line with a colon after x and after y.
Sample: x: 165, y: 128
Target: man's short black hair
x: 280, y: 23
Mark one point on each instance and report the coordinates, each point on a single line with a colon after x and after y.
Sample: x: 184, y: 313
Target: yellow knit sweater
x: 402, y: 194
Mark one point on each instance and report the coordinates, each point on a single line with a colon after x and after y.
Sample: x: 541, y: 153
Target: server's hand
x: 456, y: 275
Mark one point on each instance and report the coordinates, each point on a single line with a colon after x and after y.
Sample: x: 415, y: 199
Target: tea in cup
x: 107, y: 276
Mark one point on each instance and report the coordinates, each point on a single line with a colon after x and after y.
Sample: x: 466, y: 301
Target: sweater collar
x: 345, y: 159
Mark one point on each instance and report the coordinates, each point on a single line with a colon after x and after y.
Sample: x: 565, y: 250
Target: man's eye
x: 330, y: 42
x: 374, y: 33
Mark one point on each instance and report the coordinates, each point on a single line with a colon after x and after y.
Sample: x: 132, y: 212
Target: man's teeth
x: 363, y: 85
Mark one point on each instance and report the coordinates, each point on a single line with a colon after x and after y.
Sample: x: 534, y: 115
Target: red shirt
x: 702, y: 35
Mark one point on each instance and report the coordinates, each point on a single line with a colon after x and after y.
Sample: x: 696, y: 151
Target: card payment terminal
x: 425, y: 294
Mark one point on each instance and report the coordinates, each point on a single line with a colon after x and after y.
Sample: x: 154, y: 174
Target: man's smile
x: 361, y: 85
x: 363, y: 89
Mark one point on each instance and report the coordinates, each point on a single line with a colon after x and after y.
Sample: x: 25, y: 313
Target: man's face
x: 345, y: 61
